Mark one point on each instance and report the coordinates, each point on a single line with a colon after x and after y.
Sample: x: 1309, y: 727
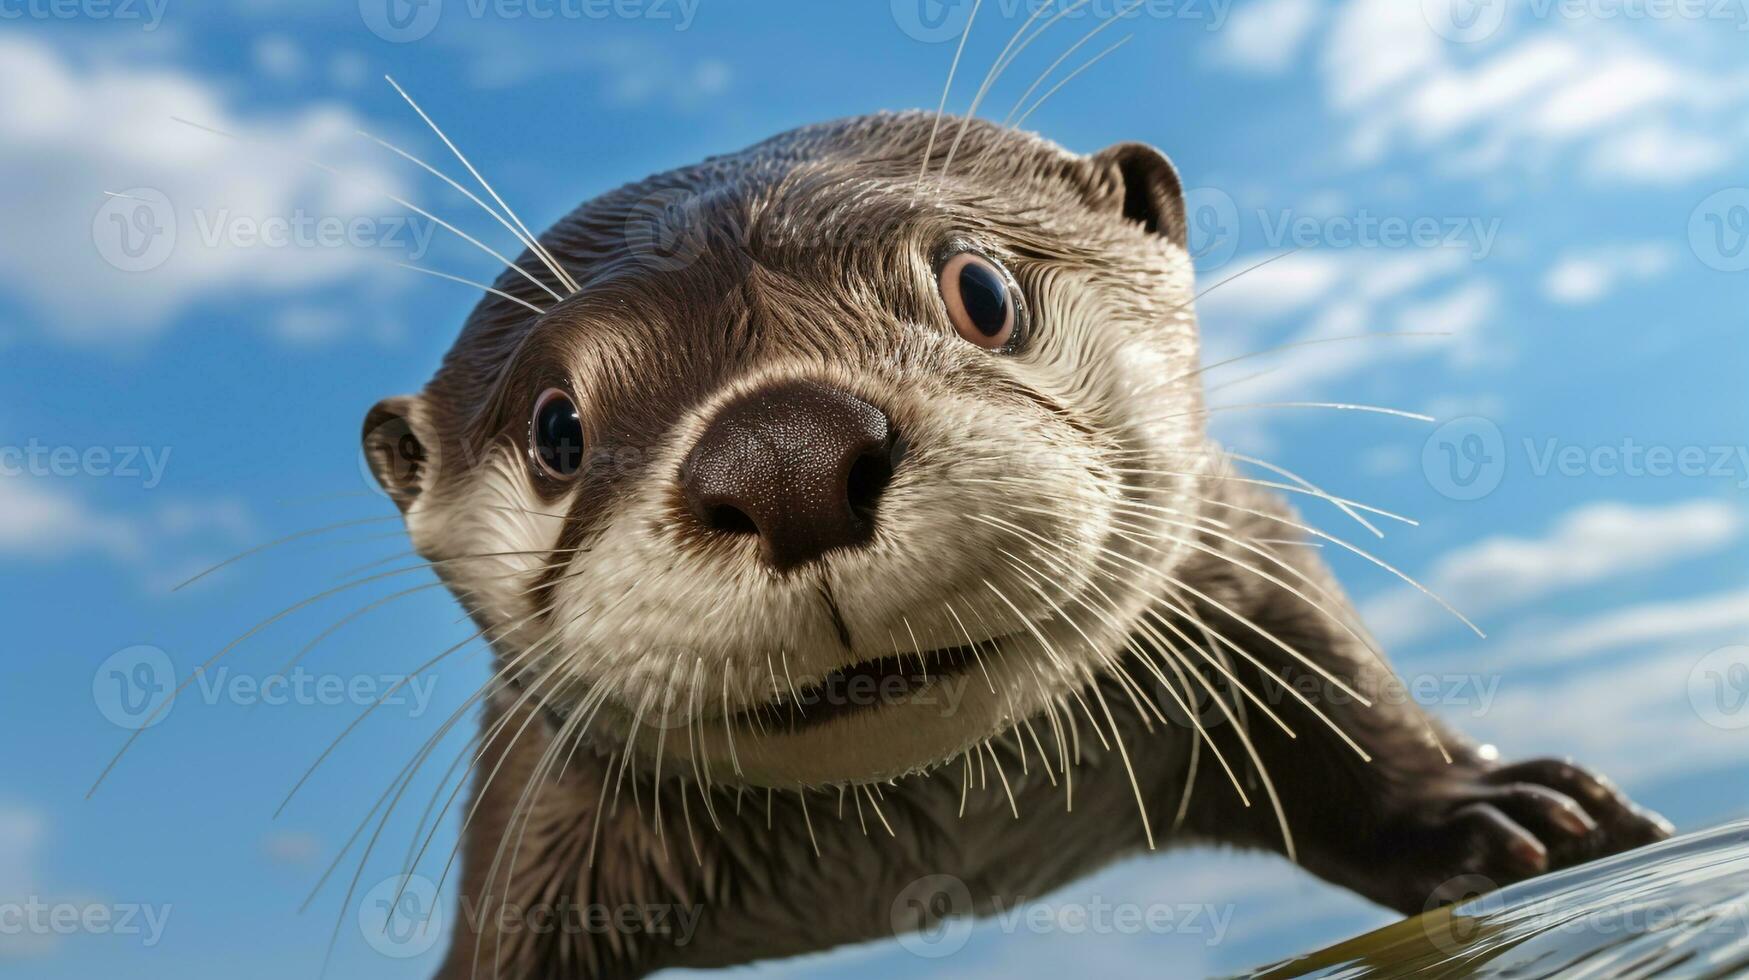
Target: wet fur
x: 808, y: 256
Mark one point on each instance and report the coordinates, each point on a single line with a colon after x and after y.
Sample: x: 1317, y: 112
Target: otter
x: 842, y: 519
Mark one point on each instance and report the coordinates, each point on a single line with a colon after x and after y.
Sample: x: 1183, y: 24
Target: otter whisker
x: 929, y: 147
x: 345, y: 178
x: 1309, y: 485
x: 528, y: 242
x: 1337, y: 406
x: 1424, y: 590
x: 1006, y: 789
x: 1183, y: 705
x: 207, y: 664
x: 288, y: 539
x: 874, y: 804
x: 694, y: 717
x: 970, y: 644
x: 1089, y: 63
x: 525, y: 807
x: 995, y: 70
x: 600, y: 813
x: 527, y: 236
x: 734, y: 759
x: 1313, y: 342
x: 1090, y: 35
x: 802, y: 794
x: 333, y: 745
x: 1124, y: 755
x: 501, y: 294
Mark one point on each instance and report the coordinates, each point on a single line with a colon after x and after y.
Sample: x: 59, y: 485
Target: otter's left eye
x: 980, y: 300
x: 555, y: 435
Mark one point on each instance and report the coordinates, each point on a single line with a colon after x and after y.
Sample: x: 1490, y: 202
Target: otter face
x: 853, y: 472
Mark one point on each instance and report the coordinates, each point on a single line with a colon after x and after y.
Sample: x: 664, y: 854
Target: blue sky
x: 1557, y: 190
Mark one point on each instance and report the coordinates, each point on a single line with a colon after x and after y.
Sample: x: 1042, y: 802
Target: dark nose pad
x: 800, y: 464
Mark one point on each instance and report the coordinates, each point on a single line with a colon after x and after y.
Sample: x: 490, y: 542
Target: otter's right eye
x: 981, y: 301
x: 555, y: 435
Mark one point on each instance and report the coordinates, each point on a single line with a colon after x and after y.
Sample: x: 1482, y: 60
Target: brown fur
x: 807, y: 256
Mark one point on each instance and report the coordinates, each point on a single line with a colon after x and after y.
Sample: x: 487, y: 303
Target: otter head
x: 833, y: 464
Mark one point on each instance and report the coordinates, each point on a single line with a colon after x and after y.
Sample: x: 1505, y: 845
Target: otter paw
x: 1503, y: 824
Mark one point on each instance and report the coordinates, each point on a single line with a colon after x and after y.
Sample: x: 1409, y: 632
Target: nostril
x: 869, y: 477
x: 729, y: 519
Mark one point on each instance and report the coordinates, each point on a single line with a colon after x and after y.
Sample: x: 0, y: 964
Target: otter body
x: 843, y: 520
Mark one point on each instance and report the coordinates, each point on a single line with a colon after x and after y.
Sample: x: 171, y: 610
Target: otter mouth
x: 915, y: 679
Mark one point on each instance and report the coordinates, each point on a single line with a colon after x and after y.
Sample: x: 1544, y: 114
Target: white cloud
x: 1266, y: 36
x: 1724, y: 615
x: 36, y: 522
x: 279, y: 57
x: 1588, y: 275
x: 107, y: 266
x: 44, y: 519
x: 1589, y: 544
x: 291, y: 847
x: 1633, y: 721
x: 1321, y: 296
x: 1631, y: 111
x: 21, y: 839
x: 1659, y: 153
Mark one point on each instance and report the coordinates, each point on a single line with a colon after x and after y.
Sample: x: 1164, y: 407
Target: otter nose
x: 800, y: 464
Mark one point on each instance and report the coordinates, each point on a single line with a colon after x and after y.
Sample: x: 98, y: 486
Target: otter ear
x: 397, y: 449
x: 1151, y: 194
